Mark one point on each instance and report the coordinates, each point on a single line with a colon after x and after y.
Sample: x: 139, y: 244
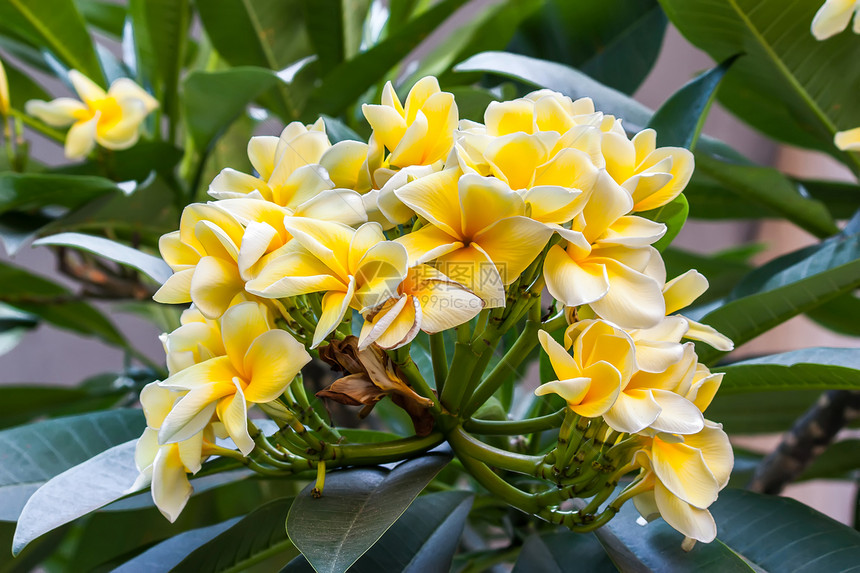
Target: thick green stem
x: 495, y: 457
x: 385, y: 452
x: 440, y: 360
x: 515, y: 427
x: 497, y: 486
x: 404, y: 362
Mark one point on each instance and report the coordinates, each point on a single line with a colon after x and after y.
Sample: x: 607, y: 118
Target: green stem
x: 495, y: 457
x: 507, y: 365
x: 404, y: 362
x: 554, y: 323
x: 38, y: 126
x: 497, y: 486
x: 385, y: 452
x: 458, y: 375
x: 440, y: 360
x: 515, y: 427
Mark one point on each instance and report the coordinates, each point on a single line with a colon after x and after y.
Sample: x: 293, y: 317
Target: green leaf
x: 836, y: 462
x: 788, y: 85
x: 106, y: 16
x: 771, y: 189
x: 558, y: 77
x: 264, y: 33
x: 563, y: 552
x: 33, y: 454
x: 207, y: 116
x: 348, y: 81
x: 616, y: 42
x: 334, y: 27
x: 53, y: 303
x: 134, y: 164
x: 38, y: 190
x: 657, y: 547
x: 722, y: 272
x: 842, y: 199
x: 839, y: 315
x: 785, y: 287
x: 76, y: 492
x: 153, y: 267
x: 22, y: 87
x: 472, y: 102
x: 338, y: 131
x: 356, y: 508
x: 21, y: 403
x: 258, y: 534
x: 805, y: 369
x: 160, y: 29
x: 680, y: 120
x: 423, y: 539
x: 806, y: 539
x: 673, y: 214
x: 760, y: 412
x: 57, y: 26
x: 14, y: 324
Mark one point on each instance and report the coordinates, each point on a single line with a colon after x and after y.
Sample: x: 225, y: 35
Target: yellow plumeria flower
x: 477, y: 232
x: 166, y: 467
x: 112, y: 119
x: 608, y: 263
x: 354, y: 268
x: 833, y: 17
x: 204, y: 256
x: 848, y: 140
x: 680, y: 293
x: 4, y: 91
x: 419, y: 132
x: 653, y: 176
x: 197, y: 339
x: 591, y: 379
x: 704, y: 387
x: 427, y: 300
x: 687, y: 474
x: 258, y: 366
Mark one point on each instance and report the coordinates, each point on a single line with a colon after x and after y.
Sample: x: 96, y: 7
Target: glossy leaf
x: 570, y: 82
x: 57, y: 26
x: 657, y: 547
x: 31, y: 455
x: 803, y: 541
x: 54, y: 304
x: 673, y: 215
x: 808, y: 368
x: 839, y: 315
x: 760, y: 412
x: 334, y: 27
x: 348, y: 81
x: 356, y: 508
x: 22, y: 403
x: 208, y: 116
x: 76, y: 492
x: 39, y: 190
x: 616, y: 42
x: 22, y: 87
x: 723, y: 273
x: 788, y: 84
x: 338, y: 131
x: 563, y: 552
x: 785, y: 287
x: 153, y: 267
x: 106, y: 16
x: 772, y: 190
x: 423, y: 539
x: 14, y: 324
x: 842, y: 198
x: 680, y: 120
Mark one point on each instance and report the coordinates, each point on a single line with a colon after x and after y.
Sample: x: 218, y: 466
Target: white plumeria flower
x: 833, y: 17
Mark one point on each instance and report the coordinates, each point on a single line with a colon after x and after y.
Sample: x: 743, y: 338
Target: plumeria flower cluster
x: 435, y: 224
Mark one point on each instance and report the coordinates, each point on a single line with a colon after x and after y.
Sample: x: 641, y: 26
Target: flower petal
x: 634, y: 299
x: 832, y: 18
x: 633, y: 411
x: 61, y: 112
x: 848, y: 140
x: 176, y: 289
x: 512, y: 244
x: 261, y: 152
x: 572, y: 283
x: 233, y: 413
x: 272, y: 361
x: 428, y: 243
x: 563, y: 364
x: 682, y: 469
x: 170, y: 486
x: 681, y: 291
x: 292, y: 274
x: 214, y: 285
x: 334, y: 307
x: 81, y: 138
x: 193, y: 412
x: 693, y: 522
x: 677, y: 414
x: 435, y: 197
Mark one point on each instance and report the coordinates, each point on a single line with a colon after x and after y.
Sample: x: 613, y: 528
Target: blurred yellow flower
x: 848, y: 140
x: 112, y: 119
x: 4, y: 91
x: 833, y: 17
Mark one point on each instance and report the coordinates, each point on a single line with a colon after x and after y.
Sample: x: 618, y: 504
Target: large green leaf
x: 842, y: 198
x: 805, y: 369
x: 723, y: 273
x: 22, y: 87
x: 785, y: 287
x: 31, y: 455
x: 356, y: 508
x: 257, y: 535
x: 153, y: 267
x: 160, y: 29
x: 423, y: 539
x: 680, y: 120
x: 54, y: 304
x: 212, y: 100
x: 673, y: 214
x: 264, y: 33
x: 788, y: 84
x: 779, y: 534
x: 104, y: 15
x: 77, y: 491
x: 21, y: 403
x: 657, y: 547
x: 344, y: 84
x: 38, y: 190
x: 334, y: 27
x: 14, y: 324
x: 616, y: 42
x: 563, y: 552
x: 56, y: 26
x: 839, y: 315
x: 760, y: 412
x: 571, y: 82
x: 770, y: 189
